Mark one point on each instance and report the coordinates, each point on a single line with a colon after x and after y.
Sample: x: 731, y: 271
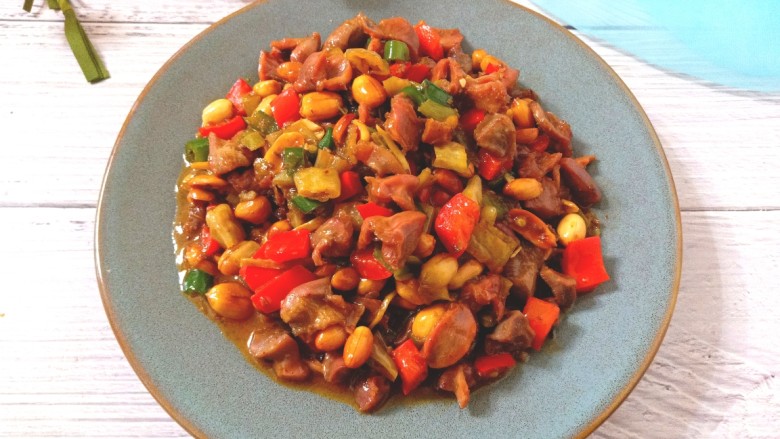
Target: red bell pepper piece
x: 471, y: 119
x: 367, y: 266
x: 286, y: 107
x: 399, y: 69
x: 491, y: 166
x: 491, y: 366
x: 417, y: 72
x: 541, y: 143
x: 455, y: 223
x: 430, y: 41
x: 209, y: 245
x: 236, y: 94
x: 256, y: 277
x: 372, y: 209
x: 286, y: 246
x: 491, y: 68
x: 583, y: 261
x: 226, y: 129
x: 268, y: 298
x: 350, y: 185
x: 411, y: 365
x: 541, y: 316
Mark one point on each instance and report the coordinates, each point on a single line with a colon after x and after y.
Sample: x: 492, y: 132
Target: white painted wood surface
x: 62, y: 373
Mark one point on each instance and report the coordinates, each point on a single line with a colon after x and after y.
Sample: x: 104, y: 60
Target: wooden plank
x: 131, y: 11
x: 67, y: 376
x: 719, y: 144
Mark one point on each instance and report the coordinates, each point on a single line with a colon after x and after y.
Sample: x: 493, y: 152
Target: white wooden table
x: 62, y: 373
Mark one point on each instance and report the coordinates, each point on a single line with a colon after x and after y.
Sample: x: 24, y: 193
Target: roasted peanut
x: 425, y: 245
x: 278, y: 227
x: 523, y: 189
x: 357, y: 348
x: 289, y: 70
x: 345, y: 279
x: 267, y: 87
x: 571, y: 228
x: 255, y: 211
x: 217, y: 111
x: 231, y: 300
x: 367, y: 286
x: 425, y: 321
x: 368, y: 91
x: 330, y: 339
x: 521, y: 114
x: 321, y: 105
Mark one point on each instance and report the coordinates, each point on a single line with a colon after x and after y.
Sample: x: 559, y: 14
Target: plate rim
x: 190, y: 427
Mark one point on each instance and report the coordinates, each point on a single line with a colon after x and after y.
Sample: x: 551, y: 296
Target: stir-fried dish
x: 383, y: 212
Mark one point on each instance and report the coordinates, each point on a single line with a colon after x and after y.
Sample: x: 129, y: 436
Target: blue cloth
x: 731, y: 43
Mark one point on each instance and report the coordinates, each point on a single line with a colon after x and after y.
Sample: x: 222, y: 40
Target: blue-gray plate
x: 602, y: 347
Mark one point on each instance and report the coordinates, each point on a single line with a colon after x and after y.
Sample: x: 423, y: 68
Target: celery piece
x: 451, y: 156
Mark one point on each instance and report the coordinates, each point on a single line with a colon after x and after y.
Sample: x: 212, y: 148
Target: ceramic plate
x: 603, y: 346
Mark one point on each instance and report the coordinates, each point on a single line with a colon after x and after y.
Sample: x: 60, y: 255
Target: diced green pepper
x: 327, y: 139
x: 197, y: 150
x: 492, y: 247
x: 433, y: 92
x: 262, y: 122
x: 414, y: 94
x: 306, y: 205
x: 197, y: 282
x: 292, y: 159
x: 435, y: 110
x: 253, y: 140
x: 396, y: 51
x: 490, y: 198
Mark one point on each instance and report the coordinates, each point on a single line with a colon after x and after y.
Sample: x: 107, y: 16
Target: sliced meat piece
x: 332, y: 239
x: 436, y: 133
x: 271, y: 342
x: 402, y: 122
x: 227, y: 155
x: 371, y: 393
x: 488, y: 93
x: 399, y: 235
x: 452, y: 337
x: 512, y: 335
x: 300, y: 48
x: 486, y: 290
x: 580, y: 183
x: 243, y: 180
x: 558, y: 130
x: 397, y: 188
x: 458, y: 379
x: 548, y: 204
x: 496, y: 133
x: 325, y: 70
x: 312, y: 307
x: 196, y: 217
x: 291, y: 369
x: 449, y: 72
x: 538, y: 164
x: 333, y: 368
x: 523, y: 268
x: 348, y: 34
x: 564, y: 287
x: 449, y: 38
x: 378, y: 158
x: 509, y: 77
x: 268, y: 63
x: 395, y: 28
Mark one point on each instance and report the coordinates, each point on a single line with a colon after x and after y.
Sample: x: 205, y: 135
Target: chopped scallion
x: 306, y: 205
x: 435, y: 110
x: 396, y: 51
x: 414, y: 94
x: 433, y: 92
x: 197, y: 282
x: 327, y: 139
